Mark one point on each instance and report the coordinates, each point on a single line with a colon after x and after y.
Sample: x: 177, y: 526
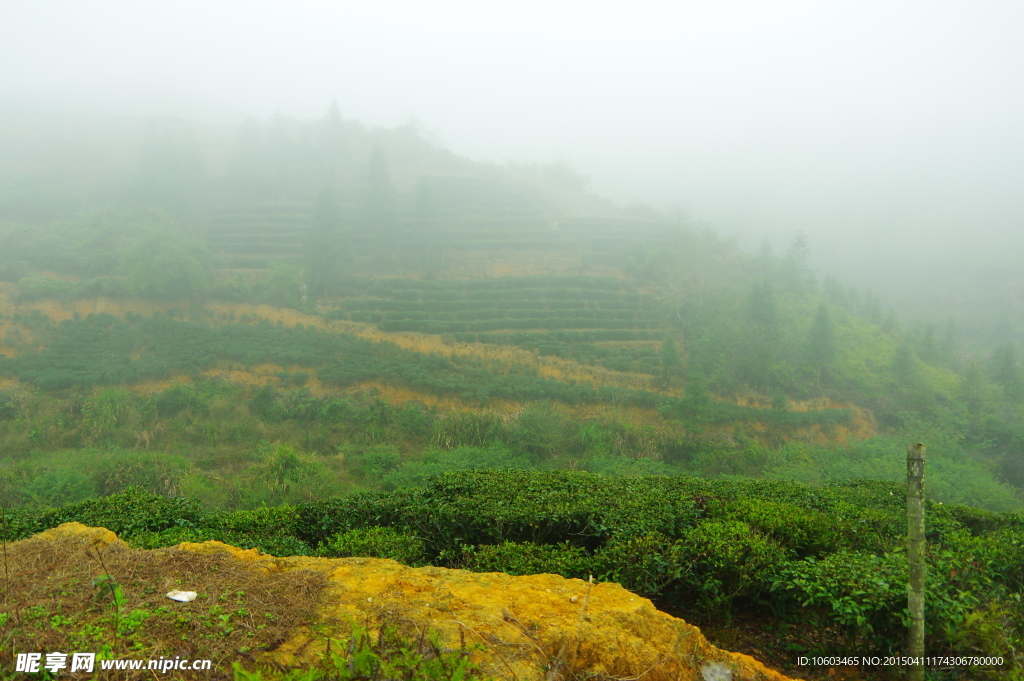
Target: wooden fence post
x: 915, y: 557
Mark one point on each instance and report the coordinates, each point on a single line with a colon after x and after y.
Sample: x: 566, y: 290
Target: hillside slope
x: 367, y: 299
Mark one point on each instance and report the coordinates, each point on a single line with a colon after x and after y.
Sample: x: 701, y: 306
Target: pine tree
x: 379, y: 197
x: 821, y: 341
x: 799, y: 252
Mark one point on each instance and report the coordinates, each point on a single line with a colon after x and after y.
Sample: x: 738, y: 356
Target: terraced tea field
x: 595, y: 320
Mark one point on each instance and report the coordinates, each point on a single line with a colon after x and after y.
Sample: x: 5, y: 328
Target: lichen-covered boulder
x: 529, y: 627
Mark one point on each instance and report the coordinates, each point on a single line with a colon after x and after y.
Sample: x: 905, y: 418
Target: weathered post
x: 915, y: 557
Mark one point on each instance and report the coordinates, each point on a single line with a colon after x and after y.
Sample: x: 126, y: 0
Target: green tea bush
x: 728, y: 560
x: 998, y: 555
x: 131, y: 512
x: 275, y: 544
x: 802, y: 531
x: 978, y: 521
x: 648, y: 564
x: 495, y: 506
x: 375, y: 542
x: 863, y: 593
x: 269, y: 520
x: 21, y: 523
x: 526, y: 559
x: 831, y: 555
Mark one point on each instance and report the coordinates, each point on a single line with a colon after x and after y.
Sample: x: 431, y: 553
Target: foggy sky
x: 861, y: 123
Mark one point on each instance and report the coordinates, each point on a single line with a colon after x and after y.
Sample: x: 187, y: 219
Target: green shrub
x: 37, y: 286
x: 997, y: 557
x: 525, y: 559
x: 57, y: 486
x: 275, y: 544
x: 21, y: 523
x: 728, y: 560
x: 267, y: 520
x: 647, y: 564
x: 977, y: 520
x: 131, y: 512
x: 378, y: 462
x: 177, y: 399
x: 375, y: 542
x: 863, y: 593
x: 495, y: 506
x: 10, y: 405
x: 995, y: 629
x: 803, y: 531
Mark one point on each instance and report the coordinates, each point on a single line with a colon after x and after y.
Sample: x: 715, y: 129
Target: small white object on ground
x: 716, y: 671
x: 182, y: 596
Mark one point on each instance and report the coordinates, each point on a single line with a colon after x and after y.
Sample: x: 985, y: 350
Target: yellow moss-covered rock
x: 97, y: 536
x: 531, y: 627
x: 536, y: 627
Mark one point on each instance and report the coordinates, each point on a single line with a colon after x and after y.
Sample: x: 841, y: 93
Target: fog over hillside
x: 645, y: 295
x: 890, y: 133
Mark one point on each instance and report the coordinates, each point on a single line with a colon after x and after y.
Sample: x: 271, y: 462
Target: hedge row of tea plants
x: 495, y: 313
x: 541, y: 300
x: 472, y: 306
x: 527, y: 337
x: 107, y: 350
x: 833, y: 554
x: 364, y: 287
x: 826, y: 556
x: 435, y: 326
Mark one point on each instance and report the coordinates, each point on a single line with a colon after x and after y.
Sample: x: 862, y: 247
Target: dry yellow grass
x: 608, y: 412
x: 285, y: 315
x: 547, y: 367
x: 152, y: 387
x: 59, y: 311
x: 861, y: 425
x: 634, y: 344
x: 400, y: 395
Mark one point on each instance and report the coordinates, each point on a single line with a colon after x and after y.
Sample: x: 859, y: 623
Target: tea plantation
x: 828, y: 558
